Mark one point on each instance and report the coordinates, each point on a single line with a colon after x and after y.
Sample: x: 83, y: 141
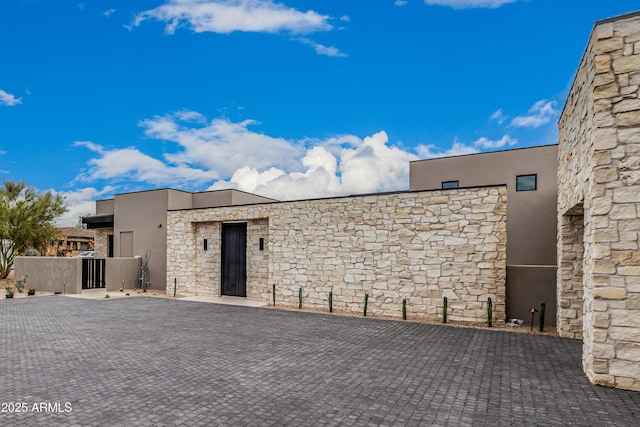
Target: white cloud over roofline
x: 370, y: 166
x: 222, y: 154
x: 459, y: 148
x: 227, y: 16
x: 81, y: 202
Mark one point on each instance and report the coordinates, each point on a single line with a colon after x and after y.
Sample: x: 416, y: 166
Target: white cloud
x: 541, y: 113
x: 370, y: 166
x: 90, y: 145
x: 122, y: 164
x: 109, y: 12
x: 222, y: 154
x: 227, y: 16
x: 468, y: 4
x: 486, y: 143
x: 220, y: 145
x: 400, y: 2
x: 9, y: 99
x: 80, y: 202
x: 498, y: 116
x: 459, y: 148
x: 430, y: 151
x: 323, y: 50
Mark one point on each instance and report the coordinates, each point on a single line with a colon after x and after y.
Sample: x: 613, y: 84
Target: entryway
x: 234, y: 259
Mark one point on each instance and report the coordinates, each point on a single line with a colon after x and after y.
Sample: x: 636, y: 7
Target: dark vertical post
x: 404, y: 309
x: 489, y: 312
x: 542, y: 307
x: 444, y: 311
x: 331, y: 301
x: 274, y: 295
x: 300, y: 299
x: 366, y: 301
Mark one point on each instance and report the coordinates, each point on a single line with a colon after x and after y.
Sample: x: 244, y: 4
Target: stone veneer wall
x: 416, y: 245
x: 599, y: 170
x: 570, y: 274
x: 101, y: 242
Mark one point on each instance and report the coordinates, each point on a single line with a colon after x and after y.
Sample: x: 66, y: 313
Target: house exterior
x: 132, y: 223
x: 530, y: 175
x: 72, y: 241
x: 412, y: 247
x: 511, y: 226
x: 599, y: 205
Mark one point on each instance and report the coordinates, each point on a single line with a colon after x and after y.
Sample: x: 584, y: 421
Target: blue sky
x: 290, y: 98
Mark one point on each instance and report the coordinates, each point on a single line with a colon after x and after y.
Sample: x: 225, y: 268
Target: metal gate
x: 93, y: 273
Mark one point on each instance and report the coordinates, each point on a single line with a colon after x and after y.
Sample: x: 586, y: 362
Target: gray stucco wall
x: 64, y: 275
x: 51, y: 274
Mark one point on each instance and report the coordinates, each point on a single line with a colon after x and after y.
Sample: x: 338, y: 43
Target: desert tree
x: 27, y: 219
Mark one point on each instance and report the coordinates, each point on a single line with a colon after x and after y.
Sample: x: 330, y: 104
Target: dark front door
x: 234, y: 259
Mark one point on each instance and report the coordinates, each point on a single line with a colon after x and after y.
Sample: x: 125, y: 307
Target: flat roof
x: 344, y: 197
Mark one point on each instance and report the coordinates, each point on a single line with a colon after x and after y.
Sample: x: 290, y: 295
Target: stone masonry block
x: 628, y: 119
x: 626, y: 64
x: 610, y: 293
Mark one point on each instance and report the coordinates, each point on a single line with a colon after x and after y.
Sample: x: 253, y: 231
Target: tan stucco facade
x: 599, y: 205
x: 139, y: 223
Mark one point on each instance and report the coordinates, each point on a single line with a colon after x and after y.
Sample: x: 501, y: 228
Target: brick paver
x: 148, y: 361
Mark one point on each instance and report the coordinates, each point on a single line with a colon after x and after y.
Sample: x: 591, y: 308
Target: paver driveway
x: 148, y: 361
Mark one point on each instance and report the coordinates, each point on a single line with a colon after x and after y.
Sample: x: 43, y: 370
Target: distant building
x: 71, y: 241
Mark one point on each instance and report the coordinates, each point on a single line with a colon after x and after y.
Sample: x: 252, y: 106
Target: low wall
x: 50, y: 274
x: 64, y: 275
x: 419, y: 246
x: 122, y: 273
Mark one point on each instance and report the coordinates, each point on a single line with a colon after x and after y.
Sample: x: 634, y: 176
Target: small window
x: 446, y: 185
x: 526, y: 182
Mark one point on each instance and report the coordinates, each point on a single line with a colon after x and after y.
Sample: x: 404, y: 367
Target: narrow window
x: 527, y: 182
x: 206, y: 244
x: 446, y: 185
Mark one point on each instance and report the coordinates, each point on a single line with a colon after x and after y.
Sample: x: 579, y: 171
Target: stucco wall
x: 599, y: 203
x: 51, y: 274
x: 59, y: 274
x: 417, y: 245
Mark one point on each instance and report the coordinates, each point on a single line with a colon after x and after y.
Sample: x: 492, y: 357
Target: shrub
x: 21, y: 283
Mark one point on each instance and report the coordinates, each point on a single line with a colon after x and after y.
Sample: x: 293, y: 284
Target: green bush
x: 20, y: 284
